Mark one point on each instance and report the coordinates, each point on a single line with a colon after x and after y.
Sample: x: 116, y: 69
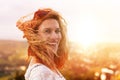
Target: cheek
x: 60, y: 37
x: 42, y: 37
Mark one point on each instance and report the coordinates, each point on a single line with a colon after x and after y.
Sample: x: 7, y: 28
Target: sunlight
x: 85, y: 33
x: 88, y: 37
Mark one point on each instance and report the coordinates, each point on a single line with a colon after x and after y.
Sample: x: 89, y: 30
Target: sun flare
x: 86, y: 33
x: 87, y: 38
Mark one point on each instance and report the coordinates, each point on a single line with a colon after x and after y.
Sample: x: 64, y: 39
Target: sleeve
x: 40, y: 73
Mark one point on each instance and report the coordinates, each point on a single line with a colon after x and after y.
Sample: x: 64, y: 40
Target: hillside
x: 9, y: 46
x: 13, y: 52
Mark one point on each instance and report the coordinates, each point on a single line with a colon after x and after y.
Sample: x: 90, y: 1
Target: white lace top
x: 41, y: 72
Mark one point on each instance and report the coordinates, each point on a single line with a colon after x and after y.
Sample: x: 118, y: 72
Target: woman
x: 47, y: 51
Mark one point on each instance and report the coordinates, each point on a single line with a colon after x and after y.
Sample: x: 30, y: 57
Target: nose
x: 54, y: 35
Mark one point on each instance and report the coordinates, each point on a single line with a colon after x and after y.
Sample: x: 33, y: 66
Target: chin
x: 55, y: 49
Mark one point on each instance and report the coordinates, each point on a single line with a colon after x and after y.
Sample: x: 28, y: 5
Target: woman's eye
x: 57, y: 31
x: 47, y: 31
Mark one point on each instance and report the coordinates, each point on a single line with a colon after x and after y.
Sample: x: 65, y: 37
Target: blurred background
x: 93, y: 32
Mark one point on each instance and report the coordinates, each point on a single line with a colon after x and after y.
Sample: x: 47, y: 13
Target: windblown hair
x: 36, y: 45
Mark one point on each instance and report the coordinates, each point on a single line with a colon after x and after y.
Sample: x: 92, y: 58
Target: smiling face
x: 50, y: 32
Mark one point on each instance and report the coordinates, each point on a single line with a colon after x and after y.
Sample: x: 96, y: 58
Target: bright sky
x: 89, y: 21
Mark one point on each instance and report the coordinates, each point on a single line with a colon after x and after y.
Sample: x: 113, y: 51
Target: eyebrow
x: 50, y: 28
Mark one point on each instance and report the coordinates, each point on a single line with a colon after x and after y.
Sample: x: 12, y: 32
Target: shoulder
x: 38, y: 72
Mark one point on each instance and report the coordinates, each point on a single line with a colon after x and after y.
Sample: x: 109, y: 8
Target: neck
x: 34, y: 60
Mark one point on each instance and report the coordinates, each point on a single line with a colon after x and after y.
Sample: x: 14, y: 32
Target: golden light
x: 85, y: 31
x: 88, y: 37
x: 23, y: 67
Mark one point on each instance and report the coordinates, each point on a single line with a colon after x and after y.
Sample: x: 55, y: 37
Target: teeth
x: 52, y: 43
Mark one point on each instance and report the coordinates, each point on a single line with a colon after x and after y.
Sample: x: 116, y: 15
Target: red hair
x: 37, y: 47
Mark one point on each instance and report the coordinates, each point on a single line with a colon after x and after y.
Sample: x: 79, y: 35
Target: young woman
x: 47, y: 51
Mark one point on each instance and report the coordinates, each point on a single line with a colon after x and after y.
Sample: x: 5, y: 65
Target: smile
x: 52, y: 44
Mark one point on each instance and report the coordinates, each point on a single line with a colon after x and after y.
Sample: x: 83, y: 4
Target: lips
x: 52, y: 44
